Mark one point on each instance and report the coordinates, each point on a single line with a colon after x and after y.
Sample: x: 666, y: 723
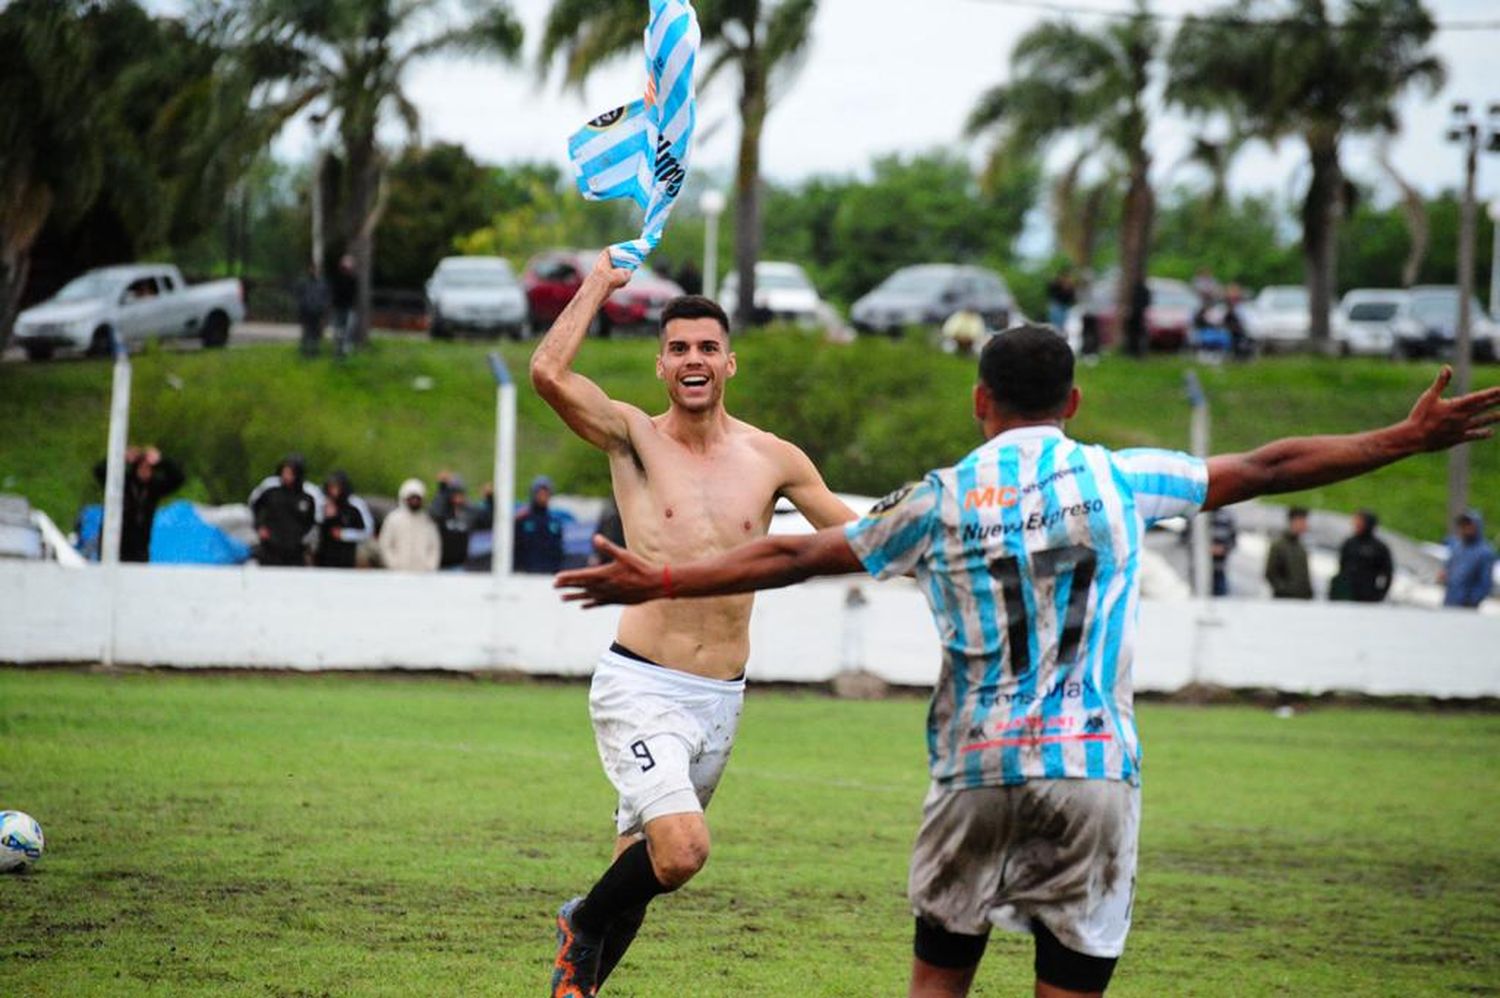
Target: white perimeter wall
x: 306, y: 619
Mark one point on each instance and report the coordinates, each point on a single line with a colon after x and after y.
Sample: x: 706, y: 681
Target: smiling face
x: 695, y: 362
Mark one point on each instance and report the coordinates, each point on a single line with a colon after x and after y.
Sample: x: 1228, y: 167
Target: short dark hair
x: 1028, y: 370
x: 1297, y: 513
x: 694, y: 307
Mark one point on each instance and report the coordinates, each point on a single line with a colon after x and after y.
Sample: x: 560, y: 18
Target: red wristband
x: 666, y: 582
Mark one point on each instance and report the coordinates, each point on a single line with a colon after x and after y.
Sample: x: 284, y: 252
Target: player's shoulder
x: 765, y: 443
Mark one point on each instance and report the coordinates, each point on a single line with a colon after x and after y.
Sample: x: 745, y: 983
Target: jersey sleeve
x: 1164, y: 483
x: 892, y: 538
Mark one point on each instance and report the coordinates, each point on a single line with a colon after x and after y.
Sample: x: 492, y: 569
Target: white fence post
x: 503, y: 556
x: 114, y: 488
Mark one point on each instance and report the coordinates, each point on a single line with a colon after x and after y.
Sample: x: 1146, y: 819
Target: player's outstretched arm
x: 805, y: 487
x: 1297, y: 463
x: 581, y: 403
x: 768, y: 563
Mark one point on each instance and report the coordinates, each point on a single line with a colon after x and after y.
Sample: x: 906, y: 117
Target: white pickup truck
x: 131, y: 303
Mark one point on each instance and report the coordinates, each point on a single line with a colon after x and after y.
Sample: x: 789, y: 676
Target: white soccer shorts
x: 664, y: 736
x: 1060, y: 851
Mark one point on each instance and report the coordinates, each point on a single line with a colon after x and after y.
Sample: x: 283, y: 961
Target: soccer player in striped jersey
x: 1028, y: 552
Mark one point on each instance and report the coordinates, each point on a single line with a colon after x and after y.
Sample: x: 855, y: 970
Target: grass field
x: 872, y: 415
x: 330, y: 836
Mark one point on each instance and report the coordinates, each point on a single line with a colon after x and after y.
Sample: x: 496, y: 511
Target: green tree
x: 537, y: 209
x: 348, y: 60
x: 51, y: 162
x: 1305, y: 74
x: 435, y: 196
x: 923, y: 209
x: 1094, y: 86
x: 1241, y: 241
x: 757, y: 39
x: 125, y: 128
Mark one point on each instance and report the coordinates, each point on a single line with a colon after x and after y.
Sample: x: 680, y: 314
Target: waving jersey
x: 1028, y: 552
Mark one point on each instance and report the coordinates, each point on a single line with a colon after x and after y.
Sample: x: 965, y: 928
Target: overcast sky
x: 881, y: 78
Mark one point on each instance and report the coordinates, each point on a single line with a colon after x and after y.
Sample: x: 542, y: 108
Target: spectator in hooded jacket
x: 1470, y: 575
x: 286, y: 508
x: 346, y: 524
x: 539, y: 532
x: 457, y: 518
x: 1286, y: 564
x: 409, y: 540
x: 149, y: 478
x: 1366, y: 567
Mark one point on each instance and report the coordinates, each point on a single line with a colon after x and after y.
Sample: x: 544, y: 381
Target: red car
x: 551, y: 280
x: 1169, y: 318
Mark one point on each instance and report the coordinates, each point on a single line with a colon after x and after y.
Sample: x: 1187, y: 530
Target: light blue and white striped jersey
x: 640, y: 151
x: 1028, y: 551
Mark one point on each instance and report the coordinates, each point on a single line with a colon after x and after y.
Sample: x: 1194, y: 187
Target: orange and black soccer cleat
x: 575, y: 972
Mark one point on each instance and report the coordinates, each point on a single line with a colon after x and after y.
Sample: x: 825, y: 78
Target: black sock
x: 629, y: 883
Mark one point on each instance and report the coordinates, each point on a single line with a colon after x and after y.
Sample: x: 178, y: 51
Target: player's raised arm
x: 805, y: 487
x: 769, y: 563
x: 582, y: 404
x: 1297, y: 463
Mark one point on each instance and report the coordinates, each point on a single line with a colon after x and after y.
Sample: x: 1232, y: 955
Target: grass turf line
x: 326, y: 835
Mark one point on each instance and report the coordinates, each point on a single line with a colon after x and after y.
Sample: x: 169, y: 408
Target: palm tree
x: 51, y: 165
x: 758, y: 39
x: 1304, y: 74
x: 1092, y: 85
x: 1413, y: 209
x: 347, y: 59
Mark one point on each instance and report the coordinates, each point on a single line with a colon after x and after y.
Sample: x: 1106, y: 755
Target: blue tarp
x: 178, y: 537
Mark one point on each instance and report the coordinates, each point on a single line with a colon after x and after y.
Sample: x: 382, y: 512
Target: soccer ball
x: 21, y: 840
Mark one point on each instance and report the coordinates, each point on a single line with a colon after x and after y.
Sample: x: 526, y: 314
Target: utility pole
x: 713, y: 204
x: 1470, y: 133
x: 1495, y: 260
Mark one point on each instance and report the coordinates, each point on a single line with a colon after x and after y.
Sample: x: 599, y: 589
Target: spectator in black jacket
x: 286, y: 509
x: 345, y: 293
x: 1365, y: 564
x: 312, y: 311
x: 346, y: 524
x: 457, y: 518
x: 149, y: 478
x: 539, y: 532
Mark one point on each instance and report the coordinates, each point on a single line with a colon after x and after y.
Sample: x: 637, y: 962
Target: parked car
x: 783, y: 293
x: 927, y: 294
x: 1279, y: 317
x: 1433, y: 329
x: 1369, y: 321
x: 551, y: 280
x: 131, y: 303
x: 476, y: 293
x: 1169, y: 318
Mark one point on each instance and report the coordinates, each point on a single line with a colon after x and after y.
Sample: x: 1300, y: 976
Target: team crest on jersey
x: 608, y: 119
x: 893, y: 500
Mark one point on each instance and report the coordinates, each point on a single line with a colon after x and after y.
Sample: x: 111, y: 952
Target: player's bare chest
x: 729, y: 491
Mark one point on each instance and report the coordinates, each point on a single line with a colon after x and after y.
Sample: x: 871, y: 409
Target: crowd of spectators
x: 297, y: 524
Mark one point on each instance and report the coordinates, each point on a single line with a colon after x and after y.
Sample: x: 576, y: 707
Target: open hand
x: 1443, y: 423
x: 628, y: 579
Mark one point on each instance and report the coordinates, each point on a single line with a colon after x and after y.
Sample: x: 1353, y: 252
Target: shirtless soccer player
x: 666, y: 697
x: 1028, y: 551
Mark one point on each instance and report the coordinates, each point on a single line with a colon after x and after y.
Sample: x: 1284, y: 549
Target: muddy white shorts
x: 664, y: 736
x: 1059, y: 851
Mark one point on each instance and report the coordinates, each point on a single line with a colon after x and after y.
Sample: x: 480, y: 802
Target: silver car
x: 479, y: 293
x: 926, y: 295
